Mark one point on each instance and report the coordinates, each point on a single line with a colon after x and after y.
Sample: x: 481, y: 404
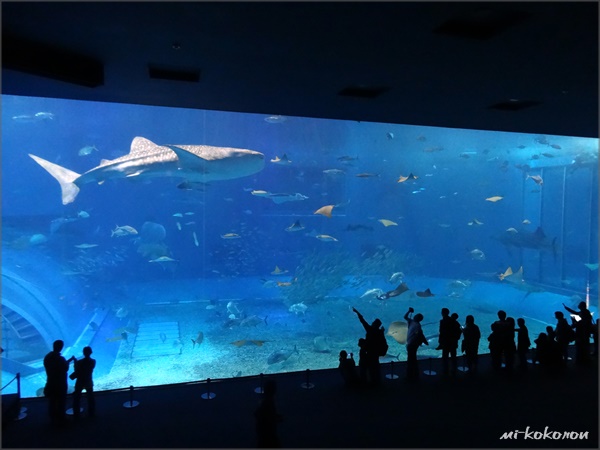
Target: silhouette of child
x: 83, y: 373
x: 470, y: 343
x: 347, y: 368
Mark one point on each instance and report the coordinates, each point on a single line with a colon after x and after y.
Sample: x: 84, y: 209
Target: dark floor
x: 468, y: 412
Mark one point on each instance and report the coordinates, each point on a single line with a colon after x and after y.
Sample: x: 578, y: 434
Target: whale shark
x: 192, y: 163
x: 536, y: 240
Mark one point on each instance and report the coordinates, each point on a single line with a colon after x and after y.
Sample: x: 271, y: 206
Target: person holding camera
x: 414, y: 339
x: 83, y: 374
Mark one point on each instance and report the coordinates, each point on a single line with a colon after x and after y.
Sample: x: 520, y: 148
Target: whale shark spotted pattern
x: 193, y: 163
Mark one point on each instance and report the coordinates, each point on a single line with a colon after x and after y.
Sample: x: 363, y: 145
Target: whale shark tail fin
x: 65, y: 178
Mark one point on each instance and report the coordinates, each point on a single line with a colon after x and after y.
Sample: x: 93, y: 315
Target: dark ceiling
x: 525, y: 67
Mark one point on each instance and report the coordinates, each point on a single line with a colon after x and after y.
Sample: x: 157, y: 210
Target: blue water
x: 431, y: 242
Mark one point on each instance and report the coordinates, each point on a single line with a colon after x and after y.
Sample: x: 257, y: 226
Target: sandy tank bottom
x: 311, y: 339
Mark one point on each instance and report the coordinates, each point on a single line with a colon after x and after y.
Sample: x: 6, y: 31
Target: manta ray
x: 536, y: 240
x: 194, y: 163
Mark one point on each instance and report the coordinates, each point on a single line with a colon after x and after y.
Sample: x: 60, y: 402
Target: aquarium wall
x: 186, y: 244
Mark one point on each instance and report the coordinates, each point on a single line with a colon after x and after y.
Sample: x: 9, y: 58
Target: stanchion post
x: 22, y: 411
x: 208, y: 395
x: 131, y: 403
x: 259, y: 389
x: 430, y: 372
x: 307, y: 384
x: 391, y: 375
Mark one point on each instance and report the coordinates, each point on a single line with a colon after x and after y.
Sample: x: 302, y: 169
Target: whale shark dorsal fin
x: 188, y: 159
x: 141, y: 144
x: 104, y: 162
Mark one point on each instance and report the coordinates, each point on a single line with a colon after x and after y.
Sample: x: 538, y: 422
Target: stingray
x: 425, y: 293
x: 325, y: 210
x: 398, y: 291
x: 321, y: 344
x: 398, y: 331
x: 402, y: 179
x: 387, y: 223
x: 296, y: 226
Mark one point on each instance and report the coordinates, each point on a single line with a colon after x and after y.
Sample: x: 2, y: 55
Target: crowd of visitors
x: 508, y: 343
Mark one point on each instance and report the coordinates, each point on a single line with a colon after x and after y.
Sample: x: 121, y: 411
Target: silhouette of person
x: 363, y: 363
x: 546, y: 352
x: 510, y: 349
x: 523, y: 343
x: 443, y: 330
x: 56, y: 382
x: 448, y: 340
x: 414, y: 339
x: 564, y: 335
x: 372, y: 334
x: 267, y: 418
x: 542, y: 349
x: 453, y: 336
x: 347, y: 368
x: 495, y: 346
x: 83, y: 374
x: 504, y: 334
x: 550, y: 333
x: 470, y: 343
x: 583, y: 330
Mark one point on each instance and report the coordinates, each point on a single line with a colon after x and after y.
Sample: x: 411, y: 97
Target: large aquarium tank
x: 186, y: 244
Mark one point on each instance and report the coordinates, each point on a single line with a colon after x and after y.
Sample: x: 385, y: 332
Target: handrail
x: 18, y: 376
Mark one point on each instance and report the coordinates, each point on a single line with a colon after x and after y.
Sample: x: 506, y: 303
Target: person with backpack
x: 376, y: 346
